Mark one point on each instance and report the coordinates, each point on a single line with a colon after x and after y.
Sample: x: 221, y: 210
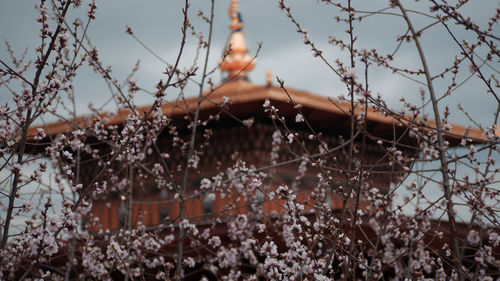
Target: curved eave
x: 242, y: 93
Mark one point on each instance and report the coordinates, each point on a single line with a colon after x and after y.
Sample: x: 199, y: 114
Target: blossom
x: 350, y: 73
x: 27, y: 206
x: 299, y: 118
x: 473, y: 237
x: 189, y: 262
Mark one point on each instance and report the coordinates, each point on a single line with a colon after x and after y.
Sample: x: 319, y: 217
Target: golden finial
x: 233, y: 14
x: 236, y: 62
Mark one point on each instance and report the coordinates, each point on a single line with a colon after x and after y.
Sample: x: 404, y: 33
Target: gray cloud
x: 157, y: 23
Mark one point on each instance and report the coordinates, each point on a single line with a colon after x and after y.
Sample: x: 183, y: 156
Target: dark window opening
x: 163, y: 214
x: 122, y: 214
x: 258, y: 201
x: 207, y: 201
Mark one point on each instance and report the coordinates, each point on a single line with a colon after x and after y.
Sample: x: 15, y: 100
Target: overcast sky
x: 157, y: 23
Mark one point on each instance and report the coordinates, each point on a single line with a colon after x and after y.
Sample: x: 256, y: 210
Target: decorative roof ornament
x: 236, y: 60
x: 234, y: 14
x: 269, y: 78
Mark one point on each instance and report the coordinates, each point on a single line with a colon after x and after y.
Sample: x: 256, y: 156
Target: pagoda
x: 246, y: 130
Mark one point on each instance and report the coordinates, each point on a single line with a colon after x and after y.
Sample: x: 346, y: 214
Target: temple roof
x: 247, y: 99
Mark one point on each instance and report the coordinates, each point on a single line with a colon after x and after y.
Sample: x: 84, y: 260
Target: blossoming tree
x: 52, y: 180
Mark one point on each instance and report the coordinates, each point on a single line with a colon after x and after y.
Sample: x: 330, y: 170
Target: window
x: 163, y: 214
x: 208, y: 201
x: 258, y: 200
x: 122, y: 214
x: 163, y: 194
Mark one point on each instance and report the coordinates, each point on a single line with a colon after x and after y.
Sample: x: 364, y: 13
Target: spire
x: 237, y: 61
